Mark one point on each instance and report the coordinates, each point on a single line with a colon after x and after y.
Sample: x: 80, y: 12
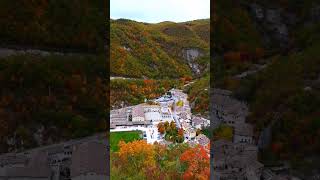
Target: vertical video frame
x: 159, y: 89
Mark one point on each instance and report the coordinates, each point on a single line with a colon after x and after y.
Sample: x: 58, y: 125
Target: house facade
x: 75, y: 159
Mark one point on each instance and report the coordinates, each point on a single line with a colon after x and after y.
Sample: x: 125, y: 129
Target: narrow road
x: 256, y: 69
x: 175, y: 116
x: 5, y: 52
x: 176, y: 119
x: 188, y: 84
x: 124, y: 78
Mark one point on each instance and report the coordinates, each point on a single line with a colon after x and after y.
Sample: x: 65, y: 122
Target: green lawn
x: 116, y: 137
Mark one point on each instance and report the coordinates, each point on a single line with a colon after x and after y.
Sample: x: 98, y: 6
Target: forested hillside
x: 163, y: 50
x: 52, y: 72
x: 198, y: 93
x: 72, y: 24
x: 170, y: 53
x: 132, y: 92
x: 44, y: 100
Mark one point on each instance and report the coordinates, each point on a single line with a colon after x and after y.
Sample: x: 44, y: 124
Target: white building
x: 190, y: 134
x: 236, y: 161
x: 202, y: 139
x: 45, y: 163
x: 166, y: 114
x: 152, y: 113
x: 89, y: 162
x: 33, y: 169
x: 138, y: 114
x: 199, y: 122
x: 243, y: 134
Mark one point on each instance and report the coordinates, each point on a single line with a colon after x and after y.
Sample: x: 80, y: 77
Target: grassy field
x: 116, y: 137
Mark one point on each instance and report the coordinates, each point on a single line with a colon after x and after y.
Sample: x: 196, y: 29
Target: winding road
x: 5, y: 52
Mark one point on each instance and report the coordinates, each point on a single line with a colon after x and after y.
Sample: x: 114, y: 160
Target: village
x: 76, y: 159
x: 171, y: 107
x: 238, y: 158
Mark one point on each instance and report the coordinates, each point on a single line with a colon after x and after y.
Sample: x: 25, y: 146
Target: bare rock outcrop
x: 191, y: 55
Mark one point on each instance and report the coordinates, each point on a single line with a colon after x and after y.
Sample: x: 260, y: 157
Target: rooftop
x: 202, y: 139
x: 89, y: 157
x: 137, y: 111
x: 244, y: 130
x: 37, y: 168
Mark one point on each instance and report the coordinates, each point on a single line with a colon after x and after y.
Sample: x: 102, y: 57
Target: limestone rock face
x: 274, y: 23
x: 191, y: 54
x: 257, y: 11
x: 273, y: 16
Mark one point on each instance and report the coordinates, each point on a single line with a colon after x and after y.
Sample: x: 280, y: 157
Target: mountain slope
x: 163, y: 50
x: 66, y: 99
x: 76, y: 25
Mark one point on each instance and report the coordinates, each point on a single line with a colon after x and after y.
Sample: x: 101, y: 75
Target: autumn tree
x: 223, y: 132
x: 173, y: 125
x: 198, y: 163
x: 198, y: 132
x: 188, y: 78
x: 166, y: 124
x: 136, y: 155
x: 161, y: 128
x: 232, y: 57
x: 180, y: 137
x: 180, y: 132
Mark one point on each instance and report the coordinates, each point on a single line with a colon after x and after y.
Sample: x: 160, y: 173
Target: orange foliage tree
x: 232, y: 56
x: 198, y: 163
x: 161, y: 128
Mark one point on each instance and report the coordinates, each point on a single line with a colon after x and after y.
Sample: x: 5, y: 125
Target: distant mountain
x: 162, y: 50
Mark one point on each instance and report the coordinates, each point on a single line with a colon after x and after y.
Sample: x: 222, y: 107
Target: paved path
x: 188, y: 84
x: 176, y: 119
x: 124, y: 78
x: 249, y: 72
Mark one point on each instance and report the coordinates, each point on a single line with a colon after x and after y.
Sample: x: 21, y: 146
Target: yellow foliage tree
x: 138, y: 154
x: 223, y: 132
